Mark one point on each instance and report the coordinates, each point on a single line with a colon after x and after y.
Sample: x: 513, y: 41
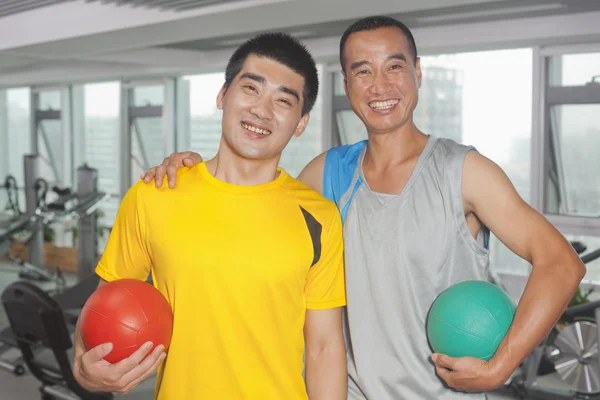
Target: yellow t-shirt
x: 239, y: 265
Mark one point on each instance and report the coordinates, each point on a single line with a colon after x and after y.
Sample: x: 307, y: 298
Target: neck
x: 237, y: 170
x: 387, y: 149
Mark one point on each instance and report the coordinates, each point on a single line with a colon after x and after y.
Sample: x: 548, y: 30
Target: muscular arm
x: 326, y: 376
x: 556, y: 269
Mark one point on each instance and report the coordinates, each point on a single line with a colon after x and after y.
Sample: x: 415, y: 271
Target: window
x: 15, y: 141
x: 153, y: 95
x: 101, y: 141
x: 574, y: 69
x: 18, y: 112
x: 149, y: 135
x: 49, y: 100
x: 481, y: 99
x: 203, y: 116
x: 50, y: 136
x: 575, y: 131
x: 300, y: 151
x: 573, y: 135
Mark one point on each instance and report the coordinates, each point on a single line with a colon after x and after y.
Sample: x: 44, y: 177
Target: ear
x: 220, y: 97
x: 419, y: 72
x: 302, y: 125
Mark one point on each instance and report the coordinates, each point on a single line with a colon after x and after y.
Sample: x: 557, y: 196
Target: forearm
x: 326, y: 374
x: 547, y: 293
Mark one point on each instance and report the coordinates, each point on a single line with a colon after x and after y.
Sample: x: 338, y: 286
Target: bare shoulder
x: 485, y: 182
x: 312, y: 174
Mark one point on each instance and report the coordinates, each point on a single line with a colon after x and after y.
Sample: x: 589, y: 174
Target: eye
x: 396, y: 66
x: 250, y: 87
x: 286, y: 102
x: 363, y: 72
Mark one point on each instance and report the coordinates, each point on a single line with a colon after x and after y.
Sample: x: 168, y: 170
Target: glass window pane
x: 147, y: 145
x: 338, y: 84
x: 19, y: 131
x: 148, y: 95
x: 300, y: 151
x: 482, y: 99
x: 350, y: 127
x: 205, y: 118
x: 101, y: 141
x: 574, y: 69
x: 49, y: 100
x: 50, y: 150
x: 575, y: 132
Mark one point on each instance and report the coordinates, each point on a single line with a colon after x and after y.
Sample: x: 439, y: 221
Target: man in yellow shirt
x: 250, y: 259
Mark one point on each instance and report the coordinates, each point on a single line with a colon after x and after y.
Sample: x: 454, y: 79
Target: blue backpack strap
x: 340, y: 165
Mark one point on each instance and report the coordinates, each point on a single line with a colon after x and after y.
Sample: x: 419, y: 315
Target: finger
x: 159, y: 174
x: 129, y: 363
x: 96, y: 354
x: 148, y: 372
x: 148, y: 175
x: 443, y: 360
x: 171, y: 175
x: 188, y: 162
x: 445, y: 374
x: 196, y: 158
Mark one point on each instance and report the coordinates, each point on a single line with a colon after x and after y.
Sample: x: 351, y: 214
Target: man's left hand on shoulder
x: 469, y: 374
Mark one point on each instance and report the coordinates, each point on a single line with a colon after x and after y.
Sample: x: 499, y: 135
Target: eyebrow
x: 358, y: 64
x: 262, y: 80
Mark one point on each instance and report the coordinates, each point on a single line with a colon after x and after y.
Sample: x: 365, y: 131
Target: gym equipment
x: 126, y: 313
x: 37, y: 320
x: 469, y: 319
x: 80, y: 205
x: 28, y: 227
x: 571, y: 351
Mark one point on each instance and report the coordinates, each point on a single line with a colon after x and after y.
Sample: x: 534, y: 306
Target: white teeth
x: 256, y: 130
x: 383, y: 105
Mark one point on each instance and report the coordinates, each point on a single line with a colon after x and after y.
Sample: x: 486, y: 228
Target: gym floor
x: 26, y: 387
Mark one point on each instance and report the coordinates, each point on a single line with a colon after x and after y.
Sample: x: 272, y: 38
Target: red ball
x: 126, y: 313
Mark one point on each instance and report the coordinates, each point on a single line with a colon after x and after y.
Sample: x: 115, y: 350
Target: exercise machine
x: 80, y: 206
x: 25, y: 226
x: 570, y: 351
x: 39, y: 321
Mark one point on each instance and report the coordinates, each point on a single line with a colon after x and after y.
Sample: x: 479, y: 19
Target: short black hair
x: 372, y: 23
x: 284, y: 49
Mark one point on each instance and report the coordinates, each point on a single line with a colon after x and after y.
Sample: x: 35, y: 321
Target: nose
x: 381, y: 84
x: 262, y: 108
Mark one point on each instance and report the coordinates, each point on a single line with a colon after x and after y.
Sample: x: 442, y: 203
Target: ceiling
x: 11, y: 7
x: 176, y: 5
x: 463, y: 14
x: 81, y: 40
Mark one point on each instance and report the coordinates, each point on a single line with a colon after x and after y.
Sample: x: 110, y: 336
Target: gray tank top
x: 402, y: 251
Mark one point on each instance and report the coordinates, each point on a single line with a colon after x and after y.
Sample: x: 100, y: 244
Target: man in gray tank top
x: 417, y: 213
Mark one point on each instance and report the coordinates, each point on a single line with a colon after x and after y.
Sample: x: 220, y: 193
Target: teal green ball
x: 469, y: 319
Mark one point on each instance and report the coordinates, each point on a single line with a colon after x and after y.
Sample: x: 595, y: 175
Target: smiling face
x: 262, y: 109
x: 381, y: 79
